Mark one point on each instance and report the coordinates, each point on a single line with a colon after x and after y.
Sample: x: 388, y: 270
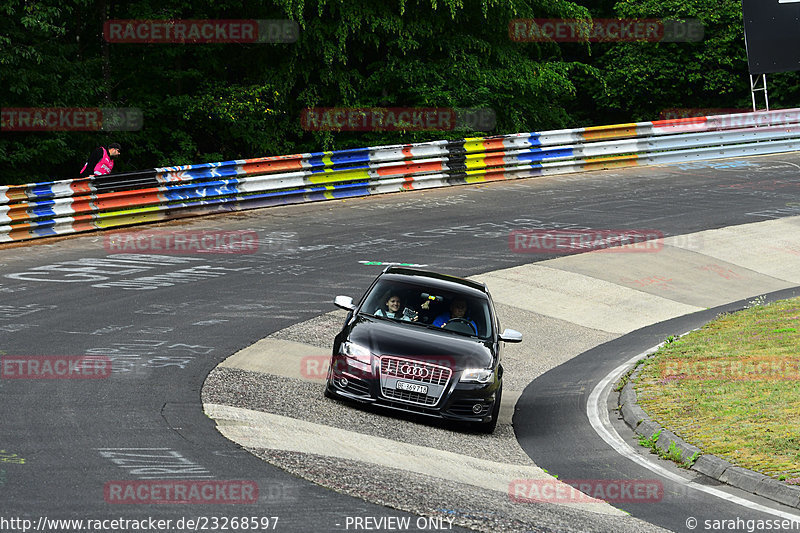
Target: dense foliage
x: 214, y: 102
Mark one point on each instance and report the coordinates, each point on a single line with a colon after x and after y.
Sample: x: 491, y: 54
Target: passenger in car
x: 391, y: 309
x: 458, y: 309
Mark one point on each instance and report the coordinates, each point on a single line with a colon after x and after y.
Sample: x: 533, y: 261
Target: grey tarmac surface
x: 248, y: 380
x: 167, y: 320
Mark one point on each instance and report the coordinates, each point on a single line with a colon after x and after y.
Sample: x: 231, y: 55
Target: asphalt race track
x: 164, y: 320
x: 553, y: 408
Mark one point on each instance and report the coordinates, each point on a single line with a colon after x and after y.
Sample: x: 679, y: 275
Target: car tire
x: 488, y: 427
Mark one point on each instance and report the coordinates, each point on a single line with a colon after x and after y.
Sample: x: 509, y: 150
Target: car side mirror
x: 511, y: 335
x: 345, y: 302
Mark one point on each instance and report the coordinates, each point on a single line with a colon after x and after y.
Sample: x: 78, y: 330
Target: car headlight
x: 357, y: 352
x: 479, y: 375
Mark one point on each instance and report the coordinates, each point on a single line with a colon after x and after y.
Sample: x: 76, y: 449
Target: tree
x: 222, y: 101
x: 644, y: 78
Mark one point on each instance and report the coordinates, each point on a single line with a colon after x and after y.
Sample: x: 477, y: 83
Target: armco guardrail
x: 70, y: 206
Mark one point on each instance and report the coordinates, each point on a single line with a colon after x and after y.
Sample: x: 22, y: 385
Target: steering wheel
x: 461, y: 325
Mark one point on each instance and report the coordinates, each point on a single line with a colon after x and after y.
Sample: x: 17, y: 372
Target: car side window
x: 480, y: 317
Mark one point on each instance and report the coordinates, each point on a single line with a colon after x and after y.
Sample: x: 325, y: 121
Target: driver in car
x: 458, y: 310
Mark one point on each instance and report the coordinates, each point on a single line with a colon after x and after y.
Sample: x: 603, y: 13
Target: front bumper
x: 452, y: 400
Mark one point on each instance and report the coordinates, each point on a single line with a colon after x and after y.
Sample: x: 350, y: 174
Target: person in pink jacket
x: 101, y: 160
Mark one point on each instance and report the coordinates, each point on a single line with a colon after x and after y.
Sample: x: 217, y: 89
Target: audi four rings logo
x: 416, y: 371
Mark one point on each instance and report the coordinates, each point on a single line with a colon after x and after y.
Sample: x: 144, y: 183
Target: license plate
x: 412, y: 387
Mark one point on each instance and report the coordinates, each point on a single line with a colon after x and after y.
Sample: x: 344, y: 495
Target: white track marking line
x: 598, y: 417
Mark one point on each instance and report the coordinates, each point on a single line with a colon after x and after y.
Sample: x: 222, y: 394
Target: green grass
x: 672, y: 453
x: 732, y: 388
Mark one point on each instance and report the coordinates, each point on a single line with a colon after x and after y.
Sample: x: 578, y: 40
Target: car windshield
x: 420, y: 305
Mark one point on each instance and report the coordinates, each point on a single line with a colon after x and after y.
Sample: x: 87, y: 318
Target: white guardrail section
x: 55, y: 208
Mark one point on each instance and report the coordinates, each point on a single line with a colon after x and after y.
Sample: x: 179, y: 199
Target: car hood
x: 385, y: 337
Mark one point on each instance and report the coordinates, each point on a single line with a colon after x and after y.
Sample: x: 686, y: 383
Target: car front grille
x: 410, y: 397
x: 434, y: 377
x: 417, y: 371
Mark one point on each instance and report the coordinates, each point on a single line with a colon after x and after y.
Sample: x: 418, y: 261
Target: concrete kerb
x: 779, y: 492
x: 709, y: 465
